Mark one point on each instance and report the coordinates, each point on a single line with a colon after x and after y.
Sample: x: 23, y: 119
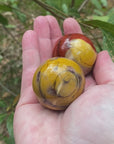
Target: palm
x: 79, y: 123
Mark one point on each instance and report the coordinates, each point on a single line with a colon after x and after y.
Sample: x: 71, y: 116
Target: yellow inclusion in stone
x: 82, y: 53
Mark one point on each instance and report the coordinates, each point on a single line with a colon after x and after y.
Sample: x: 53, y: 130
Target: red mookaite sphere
x: 77, y: 47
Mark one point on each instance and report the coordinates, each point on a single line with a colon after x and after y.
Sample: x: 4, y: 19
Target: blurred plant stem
x: 8, y: 90
x: 72, y: 3
x: 54, y: 11
x: 58, y: 13
x: 82, y: 5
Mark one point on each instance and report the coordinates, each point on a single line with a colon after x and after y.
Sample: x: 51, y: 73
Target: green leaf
x: 5, y: 8
x: 21, y: 16
x: 73, y: 12
x: 101, y: 18
x: 111, y: 16
x: 3, y: 20
x: 111, y: 11
x: 13, y: 1
x: 98, y: 12
x: 2, y: 117
x: 9, y: 124
x: 1, y: 58
x: 57, y: 4
x: 11, y: 26
x: 104, y: 3
x: 2, y: 104
x: 108, y: 42
x: 107, y: 18
x: 102, y: 25
x: 9, y: 140
x: 97, y: 4
x: 65, y: 8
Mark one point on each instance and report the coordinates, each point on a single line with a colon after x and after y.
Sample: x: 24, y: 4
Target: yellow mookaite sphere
x: 82, y: 53
x: 58, y: 82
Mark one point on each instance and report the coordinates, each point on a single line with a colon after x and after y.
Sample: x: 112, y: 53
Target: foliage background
x: 96, y: 18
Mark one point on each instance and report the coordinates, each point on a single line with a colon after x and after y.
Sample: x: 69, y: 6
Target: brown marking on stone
x: 78, y: 77
x: 38, y: 76
x: 51, y: 91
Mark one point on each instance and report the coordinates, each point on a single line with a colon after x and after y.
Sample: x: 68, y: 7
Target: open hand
x: 88, y: 120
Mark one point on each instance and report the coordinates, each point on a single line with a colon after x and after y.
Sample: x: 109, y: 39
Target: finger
x: 104, y: 69
x: 70, y: 25
x: 41, y: 27
x: 31, y: 59
x: 90, y: 82
x: 55, y: 32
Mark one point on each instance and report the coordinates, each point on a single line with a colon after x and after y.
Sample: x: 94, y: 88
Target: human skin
x: 88, y: 120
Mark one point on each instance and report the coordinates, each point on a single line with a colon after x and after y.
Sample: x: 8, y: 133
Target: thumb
x: 104, y: 69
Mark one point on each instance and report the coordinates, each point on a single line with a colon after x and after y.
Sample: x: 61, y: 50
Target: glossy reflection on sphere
x: 58, y: 82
